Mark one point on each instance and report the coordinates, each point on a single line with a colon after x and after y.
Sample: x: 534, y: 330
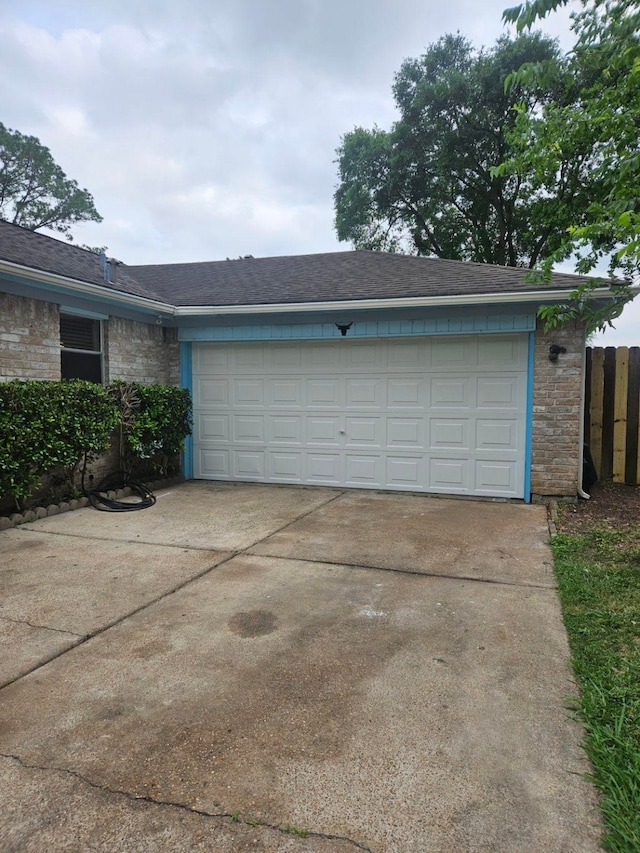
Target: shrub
x: 155, y: 420
x: 50, y: 426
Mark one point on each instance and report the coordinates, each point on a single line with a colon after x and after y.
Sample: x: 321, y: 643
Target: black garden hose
x: 114, y: 482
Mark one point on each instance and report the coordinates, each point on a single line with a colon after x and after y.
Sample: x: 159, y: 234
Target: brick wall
x: 557, y: 393
x: 137, y: 352
x: 29, y: 339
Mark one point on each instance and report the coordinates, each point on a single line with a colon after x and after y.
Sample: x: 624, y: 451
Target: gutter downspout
x: 581, y: 492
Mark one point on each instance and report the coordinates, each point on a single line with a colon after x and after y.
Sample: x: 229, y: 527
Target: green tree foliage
x: 427, y: 185
x: 34, y: 191
x: 601, y: 127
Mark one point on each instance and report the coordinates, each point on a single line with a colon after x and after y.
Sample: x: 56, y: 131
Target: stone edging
x: 16, y: 518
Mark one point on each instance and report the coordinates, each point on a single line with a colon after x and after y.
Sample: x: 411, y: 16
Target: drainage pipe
x: 581, y: 492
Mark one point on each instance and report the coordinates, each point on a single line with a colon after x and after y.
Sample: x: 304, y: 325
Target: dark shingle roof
x: 29, y: 249
x: 334, y: 276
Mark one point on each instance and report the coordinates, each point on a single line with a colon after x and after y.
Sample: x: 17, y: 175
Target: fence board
x: 620, y: 413
x: 594, y: 414
x: 608, y: 405
x: 633, y: 412
x: 612, y: 412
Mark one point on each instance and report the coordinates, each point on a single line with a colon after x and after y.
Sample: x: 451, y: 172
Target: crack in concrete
x: 42, y: 627
x: 410, y: 572
x: 234, y: 817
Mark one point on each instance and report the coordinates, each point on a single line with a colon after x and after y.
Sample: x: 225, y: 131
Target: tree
x: 603, y: 119
x: 34, y: 191
x: 427, y: 185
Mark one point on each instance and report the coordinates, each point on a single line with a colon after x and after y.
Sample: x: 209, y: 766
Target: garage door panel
x: 498, y: 435
x: 501, y: 353
x: 363, y: 393
x: 408, y: 355
x: 320, y: 358
x: 211, y: 359
x: 286, y: 356
x: 406, y: 472
x: 364, y: 470
x: 285, y: 429
x: 325, y: 393
x: 453, y: 353
x: 244, y: 357
x: 496, y: 478
x: 405, y: 433
x: 214, y: 464
x: 452, y: 391
x: 324, y: 469
x: 248, y: 392
x: 361, y: 355
x: 284, y: 393
x: 209, y: 427
x: 499, y: 392
x: 248, y: 429
x: 364, y: 431
x: 445, y: 415
x: 285, y: 466
x: 406, y: 393
x: 449, y: 475
x: 248, y: 464
x: 211, y: 392
x: 449, y: 433
x: 324, y: 431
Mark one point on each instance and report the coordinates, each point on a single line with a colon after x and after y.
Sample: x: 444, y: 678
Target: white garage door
x: 432, y: 414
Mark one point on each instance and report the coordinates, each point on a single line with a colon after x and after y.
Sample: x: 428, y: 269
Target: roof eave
x: 83, y: 288
x: 404, y: 302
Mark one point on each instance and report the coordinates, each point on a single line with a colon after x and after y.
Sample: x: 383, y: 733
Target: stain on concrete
x: 253, y: 623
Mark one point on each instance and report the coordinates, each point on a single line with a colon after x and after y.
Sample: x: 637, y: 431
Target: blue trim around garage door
x: 529, y: 427
x: 186, y: 381
x: 471, y: 325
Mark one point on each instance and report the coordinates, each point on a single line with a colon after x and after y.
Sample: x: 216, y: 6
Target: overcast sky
x: 207, y: 129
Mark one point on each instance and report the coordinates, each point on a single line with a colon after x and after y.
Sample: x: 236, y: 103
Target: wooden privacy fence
x: 612, y: 408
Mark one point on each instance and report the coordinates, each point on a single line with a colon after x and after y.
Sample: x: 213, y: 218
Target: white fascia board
x: 83, y: 288
x: 407, y: 302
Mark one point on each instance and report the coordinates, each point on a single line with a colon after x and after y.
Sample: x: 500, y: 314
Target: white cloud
x: 208, y: 128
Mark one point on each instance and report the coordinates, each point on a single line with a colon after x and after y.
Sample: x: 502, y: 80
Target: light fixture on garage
x: 344, y: 328
x: 554, y: 351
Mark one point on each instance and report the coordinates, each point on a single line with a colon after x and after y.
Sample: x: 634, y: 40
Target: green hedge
x: 155, y: 420
x: 51, y: 428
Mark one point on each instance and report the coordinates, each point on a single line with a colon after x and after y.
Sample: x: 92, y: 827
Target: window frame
x: 91, y: 318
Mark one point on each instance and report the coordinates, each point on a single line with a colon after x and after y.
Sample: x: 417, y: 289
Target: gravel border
x: 7, y: 522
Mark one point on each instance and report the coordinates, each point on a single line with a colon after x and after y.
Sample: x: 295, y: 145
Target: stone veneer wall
x: 138, y: 352
x: 29, y: 339
x: 557, y: 392
x: 134, y: 351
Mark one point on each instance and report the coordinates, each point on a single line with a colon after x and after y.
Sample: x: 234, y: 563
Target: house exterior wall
x: 29, y: 339
x: 139, y: 352
x: 557, y: 392
x: 30, y: 345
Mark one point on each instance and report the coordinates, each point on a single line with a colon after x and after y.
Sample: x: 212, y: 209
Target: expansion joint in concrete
x: 410, y: 572
x: 233, y: 817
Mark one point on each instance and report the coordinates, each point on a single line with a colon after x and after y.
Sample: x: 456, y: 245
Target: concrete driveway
x: 246, y: 667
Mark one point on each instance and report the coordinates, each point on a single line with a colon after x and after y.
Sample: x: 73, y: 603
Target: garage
x: 440, y: 414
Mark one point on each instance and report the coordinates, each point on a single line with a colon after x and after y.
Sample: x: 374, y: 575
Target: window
x: 81, y: 348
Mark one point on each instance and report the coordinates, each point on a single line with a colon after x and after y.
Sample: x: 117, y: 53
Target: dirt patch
x: 612, y: 505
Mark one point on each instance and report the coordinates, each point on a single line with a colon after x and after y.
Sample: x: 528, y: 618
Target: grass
x: 599, y: 585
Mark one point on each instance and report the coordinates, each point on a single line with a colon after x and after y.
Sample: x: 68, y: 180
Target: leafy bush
x: 155, y: 420
x: 50, y: 426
